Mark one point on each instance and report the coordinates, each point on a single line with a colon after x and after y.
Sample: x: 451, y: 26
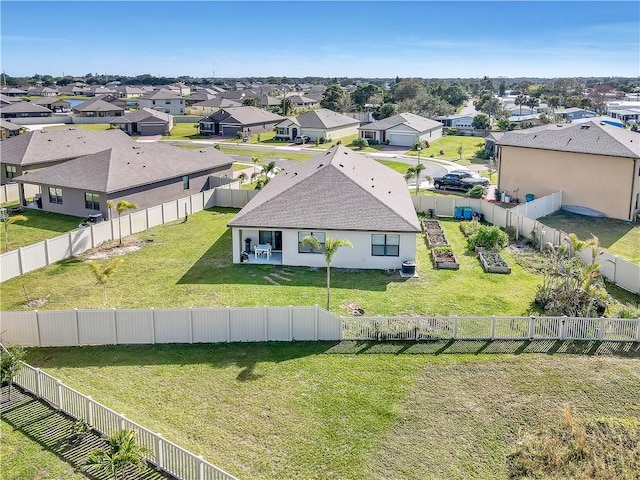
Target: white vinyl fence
x: 523, y: 218
x: 76, y: 242
x: 262, y: 324
x: 10, y: 192
x: 162, y: 453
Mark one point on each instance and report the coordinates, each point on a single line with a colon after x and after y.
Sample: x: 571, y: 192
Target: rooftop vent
x: 584, y: 127
x: 341, y: 165
x: 321, y: 165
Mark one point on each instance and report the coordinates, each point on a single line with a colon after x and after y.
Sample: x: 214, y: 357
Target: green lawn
x: 266, y: 155
x: 22, y: 458
x: 184, y: 131
x: 189, y: 264
x: 616, y: 236
x: 39, y: 226
x: 350, y: 410
x: 449, y: 144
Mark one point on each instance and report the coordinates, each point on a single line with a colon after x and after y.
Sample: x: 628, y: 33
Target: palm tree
x: 123, y: 452
x: 9, y: 221
x: 415, y: 172
x: 329, y: 249
x: 532, y: 102
x: 267, y: 169
x: 553, y: 102
x: 102, y: 273
x: 255, y: 161
x: 520, y: 100
x: 242, y: 177
x: 121, y: 207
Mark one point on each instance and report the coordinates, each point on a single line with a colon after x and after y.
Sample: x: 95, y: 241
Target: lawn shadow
x: 52, y: 430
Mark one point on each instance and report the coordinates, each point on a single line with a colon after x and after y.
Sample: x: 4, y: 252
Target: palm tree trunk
x: 105, y: 295
x: 328, y: 288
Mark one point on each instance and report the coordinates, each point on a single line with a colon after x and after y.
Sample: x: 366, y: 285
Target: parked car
x: 460, y: 180
x: 302, y: 140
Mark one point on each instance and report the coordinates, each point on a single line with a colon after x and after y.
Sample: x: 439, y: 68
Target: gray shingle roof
x: 139, y: 116
x: 218, y: 102
x: 246, y: 115
x: 97, y: 106
x: 8, y: 125
x: 325, y: 119
x: 126, y: 166
x: 411, y: 120
x: 588, y: 137
x: 335, y: 190
x: 48, y: 145
x: 24, y: 107
x: 161, y: 94
x: 49, y: 101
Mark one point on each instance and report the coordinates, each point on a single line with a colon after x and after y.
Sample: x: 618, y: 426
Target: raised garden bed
x: 436, y: 239
x: 444, y: 258
x: 428, y: 225
x: 493, y: 263
x: 469, y: 228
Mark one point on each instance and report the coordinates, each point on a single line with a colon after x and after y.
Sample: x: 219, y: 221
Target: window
x: 385, y: 245
x: 10, y: 170
x: 369, y: 135
x: 91, y: 201
x: 55, y: 195
x: 185, y: 182
x: 167, y: 102
x: 320, y: 236
x: 283, y: 131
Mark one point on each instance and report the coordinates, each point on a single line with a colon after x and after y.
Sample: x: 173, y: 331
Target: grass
x: 23, y: 458
x: 94, y: 127
x: 184, y: 131
x: 616, y: 236
x: 348, y: 142
x: 399, y: 167
x: 265, y: 155
x: 348, y: 411
x: 189, y: 264
x: 449, y: 145
x: 40, y: 226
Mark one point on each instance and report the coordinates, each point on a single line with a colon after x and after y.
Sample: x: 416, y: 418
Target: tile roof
x: 335, y: 190
x: 125, y: 166
x: 49, y: 145
x: 325, y: 119
x: 411, y: 120
x: 588, y: 137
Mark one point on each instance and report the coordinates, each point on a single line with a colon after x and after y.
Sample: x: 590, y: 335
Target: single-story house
x: 8, y: 129
x: 42, y: 92
x: 126, y: 91
x: 146, y: 174
x: 322, y: 123
x: 207, y: 107
x: 230, y: 120
x: 24, y: 110
x: 302, y: 101
x: 145, y: 121
x: 338, y: 194
x: 631, y: 115
x: 14, y: 92
x: 575, y: 113
x: 460, y: 121
x: 164, y: 100
x: 526, y: 121
x: 596, y: 165
x: 97, y: 107
x: 404, y: 129
x: 45, y: 147
x: 55, y: 104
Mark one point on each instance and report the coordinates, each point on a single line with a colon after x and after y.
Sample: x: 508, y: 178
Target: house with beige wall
x: 322, y: 123
x: 338, y: 194
x: 597, y: 166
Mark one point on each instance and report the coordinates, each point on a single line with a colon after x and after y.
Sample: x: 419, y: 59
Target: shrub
x: 483, y: 154
x: 469, y: 228
x: 478, y: 191
x: 386, y: 142
x: 452, y: 131
x: 323, y: 140
x: 373, y: 142
x: 360, y: 143
x: 489, y: 237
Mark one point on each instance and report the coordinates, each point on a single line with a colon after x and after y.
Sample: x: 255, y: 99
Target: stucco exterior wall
x: 357, y: 257
x: 607, y: 184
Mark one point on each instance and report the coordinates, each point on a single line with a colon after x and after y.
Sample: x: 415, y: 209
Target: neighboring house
x: 4, y: 100
x: 526, y: 121
x: 230, y: 120
x: 339, y: 194
x: 596, y: 166
x: 302, y: 101
x: 491, y: 141
x: 42, y: 148
x: 146, y: 174
x: 209, y: 107
x: 8, y: 129
x: 14, y: 92
x: 24, y: 110
x: 520, y: 110
x: 164, y: 101
x: 404, y: 129
x: 54, y: 104
x: 125, y: 91
x: 267, y: 101
x: 42, y: 92
x: 145, y: 121
x: 179, y: 88
x: 197, y: 97
x: 322, y: 123
x: 98, y: 108
x: 101, y: 90
x: 460, y: 121
x: 575, y: 113
x: 631, y: 115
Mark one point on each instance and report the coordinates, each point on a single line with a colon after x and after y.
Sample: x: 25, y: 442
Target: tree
x: 329, y: 249
x: 267, y: 169
x: 103, y: 272
x: 121, y: 207
x: 408, y: 89
x: 10, y: 221
x: 519, y: 101
x: 286, y: 106
x: 249, y: 102
x: 415, y: 172
x: 333, y: 97
x: 386, y: 110
x: 360, y: 143
x: 123, y: 453
x: 503, y: 124
x: 10, y: 364
x: 255, y: 161
x: 242, y: 177
x: 363, y: 93
x: 553, y: 102
x: 532, y: 102
x: 480, y: 122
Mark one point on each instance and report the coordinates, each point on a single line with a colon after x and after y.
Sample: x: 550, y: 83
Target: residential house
x: 146, y: 174
x: 628, y: 116
x: 404, y: 129
x: 125, y: 91
x: 209, y: 107
x: 164, y: 101
x: 145, y: 121
x: 525, y: 121
x: 459, y: 121
x: 197, y: 97
x: 24, y: 110
x: 597, y: 166
x: 97, y: 107
x: 575, y: 113
x: 338, y: 194
x: 8, y: 129
x: 14, y: 92
x: 322, y: 123
x: 179, y: 88
x: 4, y: 100
x: 42, y: 92
x: 229, y: 121
x: 45, y: 147
x: 55, y: 104
x: 302, y: 101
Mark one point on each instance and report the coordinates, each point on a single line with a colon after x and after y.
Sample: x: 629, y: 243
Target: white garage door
x: 403, y: 140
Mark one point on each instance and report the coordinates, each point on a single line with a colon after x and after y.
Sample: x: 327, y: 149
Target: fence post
x: 265, y: 322
x: 601, y: 329
x: 200, y: 467
x: 638, y: 330
x: 315, y: 321
x: 59, y: 393
x: 75, y: 311
x: 38, y: 383
x: 532, y: 327
x: 228, y: 322
x: 290, y: 323
x: 159, y: 456
x: 122, y: 421
x: 493, y: 326
x: 190, y: 324
x: 38, y: 328
x: 153, y: 324
x: 46, y: 251
x: 562, y: 326
x: 455, y: 327
x: 93, y: 240
x: 20, y: 266
x: 115, y: 324
x: 89, y: 411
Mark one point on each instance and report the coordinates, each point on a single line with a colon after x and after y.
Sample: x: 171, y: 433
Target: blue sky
x: 317, y: 38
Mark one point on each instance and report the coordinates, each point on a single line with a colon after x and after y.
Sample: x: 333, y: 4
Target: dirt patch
x: 37, y: 302
x: 114, y: 249
x: 354, y: 309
